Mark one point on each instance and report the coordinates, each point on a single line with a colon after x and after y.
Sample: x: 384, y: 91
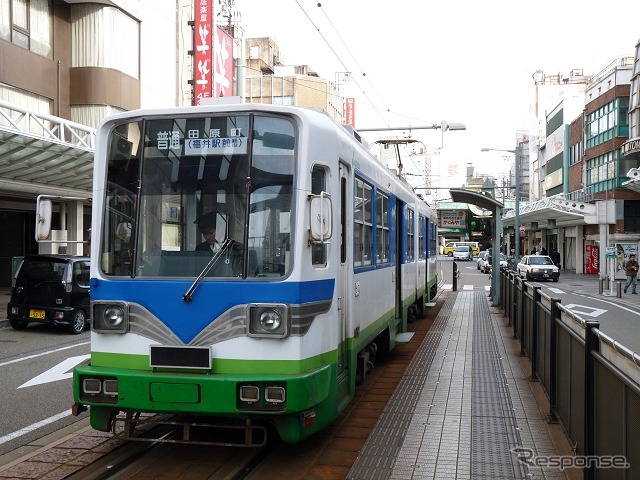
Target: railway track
x: 161, y: 450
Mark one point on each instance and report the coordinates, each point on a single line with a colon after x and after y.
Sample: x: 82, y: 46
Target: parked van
x: 51, y: 289
x: 450, y: 247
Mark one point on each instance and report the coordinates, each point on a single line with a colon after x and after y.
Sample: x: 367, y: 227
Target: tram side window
x: 123, y: 170
x: 362, y: 219
x: 409, y: 218
x: 382, y: 228
x: 421, y: 238
x: 433, y: 239
x: 318, y: 185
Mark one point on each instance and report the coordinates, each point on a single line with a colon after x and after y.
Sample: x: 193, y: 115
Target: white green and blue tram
x: 320, y: 257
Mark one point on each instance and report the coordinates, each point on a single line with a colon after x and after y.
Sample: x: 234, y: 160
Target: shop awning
x: 565, y: 212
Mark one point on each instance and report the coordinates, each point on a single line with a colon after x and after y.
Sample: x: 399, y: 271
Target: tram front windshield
x: 181, y: 191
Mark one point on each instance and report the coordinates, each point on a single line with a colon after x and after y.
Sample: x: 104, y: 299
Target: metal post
x: 591, y: 347
x: 517, y: 152
x: 455, y: 276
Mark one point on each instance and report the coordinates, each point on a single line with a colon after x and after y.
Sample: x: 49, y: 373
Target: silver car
x: 463, y: 252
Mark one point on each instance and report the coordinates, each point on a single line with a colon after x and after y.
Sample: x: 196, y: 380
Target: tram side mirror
x: 43, y: 219
x: 320, y: 217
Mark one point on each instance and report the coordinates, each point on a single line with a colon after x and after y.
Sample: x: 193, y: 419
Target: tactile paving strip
x: 493, y: 425
x: 379, y: 453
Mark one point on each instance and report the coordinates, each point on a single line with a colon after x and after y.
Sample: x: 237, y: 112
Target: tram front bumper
x: 207, y: 394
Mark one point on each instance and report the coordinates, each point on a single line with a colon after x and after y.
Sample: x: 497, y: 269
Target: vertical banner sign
x: 351, y: 112
x: 203, y: 71
x: 223, y: 64
x: 593, y: 259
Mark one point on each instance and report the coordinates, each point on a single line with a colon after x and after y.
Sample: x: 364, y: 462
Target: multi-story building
x: 584, y: 203
x: 268, y: 80
x: 65, y: 65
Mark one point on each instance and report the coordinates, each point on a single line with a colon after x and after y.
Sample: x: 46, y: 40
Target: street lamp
x: 516, y: 153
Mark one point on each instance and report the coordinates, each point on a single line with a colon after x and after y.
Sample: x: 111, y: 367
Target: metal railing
x: 592, y: 382
x: 55, y: 129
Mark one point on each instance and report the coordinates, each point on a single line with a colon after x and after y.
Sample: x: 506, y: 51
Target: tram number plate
x: 36, y: 314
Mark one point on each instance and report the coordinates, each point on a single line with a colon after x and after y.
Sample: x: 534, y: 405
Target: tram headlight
x: 268, y: 320
x: 110, y: 317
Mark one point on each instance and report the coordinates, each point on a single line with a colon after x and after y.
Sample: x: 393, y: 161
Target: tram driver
x: 207, y: 227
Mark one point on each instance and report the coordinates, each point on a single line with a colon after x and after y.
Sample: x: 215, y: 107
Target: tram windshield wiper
x: 188, y: 295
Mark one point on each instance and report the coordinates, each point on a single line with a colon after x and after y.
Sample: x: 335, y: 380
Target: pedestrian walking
x: 631, y: 269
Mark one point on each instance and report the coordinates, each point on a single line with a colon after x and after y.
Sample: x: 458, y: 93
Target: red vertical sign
x: 593, y: 259
x: 223, y: 64
x: 203, y: 50
x: 350, y: 112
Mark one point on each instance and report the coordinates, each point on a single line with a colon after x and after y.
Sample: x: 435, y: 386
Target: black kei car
x: 51, y: 289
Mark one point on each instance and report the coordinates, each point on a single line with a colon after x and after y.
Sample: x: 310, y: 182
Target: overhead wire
x: 371, y: 104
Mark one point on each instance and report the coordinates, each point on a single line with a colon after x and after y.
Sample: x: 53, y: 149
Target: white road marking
x: 556, y: 290
x: 59, y: 372
x: 594, y: 312
x: 34, y: 426
x: 467, y: 287
x: 43, y: 353
x: 610, y: 303
x: 487, y: 287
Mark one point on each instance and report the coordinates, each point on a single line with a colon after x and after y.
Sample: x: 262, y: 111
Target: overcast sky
x: 416, y: 63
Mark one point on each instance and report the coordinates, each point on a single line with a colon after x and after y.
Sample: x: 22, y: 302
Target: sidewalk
x: 465, y: 407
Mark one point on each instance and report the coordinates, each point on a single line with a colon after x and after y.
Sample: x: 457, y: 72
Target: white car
x: 538, y: 267
x: 487, y: 263
x: 482, y: 258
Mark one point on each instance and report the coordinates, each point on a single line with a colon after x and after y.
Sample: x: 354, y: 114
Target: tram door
x: 399, y: 211
x: 342, y: 279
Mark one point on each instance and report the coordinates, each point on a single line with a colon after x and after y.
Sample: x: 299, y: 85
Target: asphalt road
x: 36, y: 365
x: 619, y: 318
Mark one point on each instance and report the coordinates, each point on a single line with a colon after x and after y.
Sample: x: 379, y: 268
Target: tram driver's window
x: 318, y: 185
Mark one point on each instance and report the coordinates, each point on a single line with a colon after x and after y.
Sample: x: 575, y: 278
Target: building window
x: 631, y: 216
x: 362, y: 220
x: 601, y: 171
x: 28, y: 23
x: 599, y: 125
x: 607, y: 122
x: 382, y: 228
x: 576, y: 152
x: 99, y: 36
